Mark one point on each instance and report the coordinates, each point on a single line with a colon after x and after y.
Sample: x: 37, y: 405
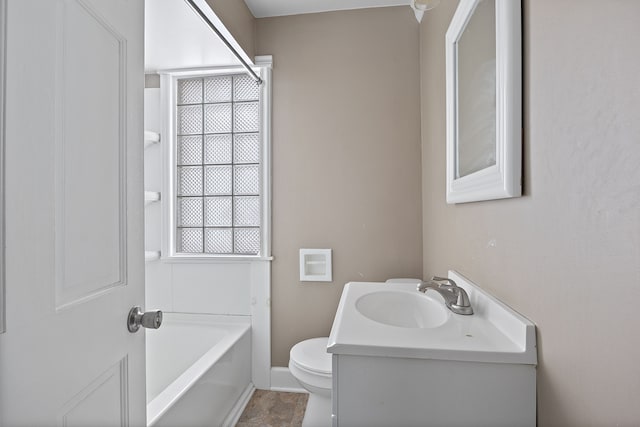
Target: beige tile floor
x: 274, y: 409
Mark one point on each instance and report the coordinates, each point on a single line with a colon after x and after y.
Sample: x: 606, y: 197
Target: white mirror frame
x: 503, y: 179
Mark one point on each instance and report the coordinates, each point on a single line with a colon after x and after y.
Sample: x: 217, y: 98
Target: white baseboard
x: 282, y: 380
x: 238, y: 408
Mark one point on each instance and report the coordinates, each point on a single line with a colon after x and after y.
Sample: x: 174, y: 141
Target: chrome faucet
x: 455, y: 298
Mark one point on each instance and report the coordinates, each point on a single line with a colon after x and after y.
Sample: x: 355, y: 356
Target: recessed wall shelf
x: 151, y: 255
x: 151, y: 196
x: 151, y: 138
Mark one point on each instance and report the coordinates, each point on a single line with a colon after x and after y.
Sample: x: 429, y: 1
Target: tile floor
x: 274, y: 409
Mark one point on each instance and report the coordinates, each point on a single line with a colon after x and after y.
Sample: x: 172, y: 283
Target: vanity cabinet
x: 391, y: 391
x: 398, y: 361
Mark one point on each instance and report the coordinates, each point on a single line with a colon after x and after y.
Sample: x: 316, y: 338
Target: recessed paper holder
x: 315, y: 265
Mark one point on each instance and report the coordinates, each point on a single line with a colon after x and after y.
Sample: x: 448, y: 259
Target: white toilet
x: 310, y: 364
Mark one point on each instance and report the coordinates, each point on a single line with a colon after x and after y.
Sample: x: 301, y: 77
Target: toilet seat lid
x: 312, y: 355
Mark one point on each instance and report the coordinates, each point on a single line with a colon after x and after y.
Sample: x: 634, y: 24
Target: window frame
x: 168, y: 109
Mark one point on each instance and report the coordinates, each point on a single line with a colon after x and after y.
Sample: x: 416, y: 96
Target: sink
x: 402, y: 309
x: 395, y: 320
x: 398, y: 357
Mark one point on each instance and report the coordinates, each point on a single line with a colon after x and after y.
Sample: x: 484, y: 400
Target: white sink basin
x: 402, y: 309
x: 395, y: 320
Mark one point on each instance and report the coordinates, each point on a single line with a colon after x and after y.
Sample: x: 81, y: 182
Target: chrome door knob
x: 137, y: 317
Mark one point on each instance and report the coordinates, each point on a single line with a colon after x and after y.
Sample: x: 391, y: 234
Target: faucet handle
x: 444, y: 279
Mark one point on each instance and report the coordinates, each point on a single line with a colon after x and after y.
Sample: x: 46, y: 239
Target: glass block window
x: 218, y: 153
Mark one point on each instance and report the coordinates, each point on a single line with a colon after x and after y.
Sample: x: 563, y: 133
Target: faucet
x: 455, y: 298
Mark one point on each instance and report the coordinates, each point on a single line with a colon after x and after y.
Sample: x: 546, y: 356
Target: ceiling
x: 175, y: 37
x: 265, y: 8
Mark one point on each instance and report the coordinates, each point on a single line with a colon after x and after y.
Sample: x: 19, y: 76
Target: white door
x: 73, y: 214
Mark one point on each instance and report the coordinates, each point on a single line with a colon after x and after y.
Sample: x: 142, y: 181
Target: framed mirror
x: 484, y: 101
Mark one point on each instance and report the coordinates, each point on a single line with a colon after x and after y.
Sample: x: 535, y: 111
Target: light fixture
x: 425, y: 4
x: 420, y: 6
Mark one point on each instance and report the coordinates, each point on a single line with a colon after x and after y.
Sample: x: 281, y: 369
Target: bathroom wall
x: 567, y: 253
x: 186, y: 287
x: 237, y: 18
x: 346, y: 157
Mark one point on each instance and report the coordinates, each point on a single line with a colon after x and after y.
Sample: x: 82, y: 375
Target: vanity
x: 401, y: 358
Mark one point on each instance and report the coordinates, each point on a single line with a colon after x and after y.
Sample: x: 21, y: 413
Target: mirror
x: 484, y: 101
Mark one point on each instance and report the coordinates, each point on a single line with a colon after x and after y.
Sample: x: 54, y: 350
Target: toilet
x: 310, y: 364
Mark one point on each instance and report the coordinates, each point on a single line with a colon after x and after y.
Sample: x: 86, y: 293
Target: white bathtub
x: 198, y: 370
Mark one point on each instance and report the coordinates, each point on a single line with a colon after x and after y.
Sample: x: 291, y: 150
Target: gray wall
x: 238, y: 20
x: 346, y: 157
x: 567, y: 254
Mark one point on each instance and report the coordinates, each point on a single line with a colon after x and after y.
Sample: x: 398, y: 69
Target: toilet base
x: 318, y: 412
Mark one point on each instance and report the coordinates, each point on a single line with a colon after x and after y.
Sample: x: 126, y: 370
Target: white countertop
x: 494, y: 333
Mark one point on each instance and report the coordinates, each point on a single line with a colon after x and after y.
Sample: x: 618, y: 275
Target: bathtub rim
x: 240, y: 326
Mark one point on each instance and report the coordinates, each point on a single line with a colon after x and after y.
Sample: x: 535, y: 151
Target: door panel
x: 101, y: 403
x: 74, y: 198
x: 90, y: 177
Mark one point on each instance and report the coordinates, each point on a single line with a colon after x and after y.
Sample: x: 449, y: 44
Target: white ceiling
x: 175, y: 37
x: 264, y: 8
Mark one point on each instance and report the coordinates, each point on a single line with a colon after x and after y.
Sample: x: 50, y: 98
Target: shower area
x: 207, y: 264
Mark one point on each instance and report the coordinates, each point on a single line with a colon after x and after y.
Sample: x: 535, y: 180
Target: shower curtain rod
x: 225, y: 41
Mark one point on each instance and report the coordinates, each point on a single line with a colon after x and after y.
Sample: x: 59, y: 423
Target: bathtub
x: 198, y: 370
